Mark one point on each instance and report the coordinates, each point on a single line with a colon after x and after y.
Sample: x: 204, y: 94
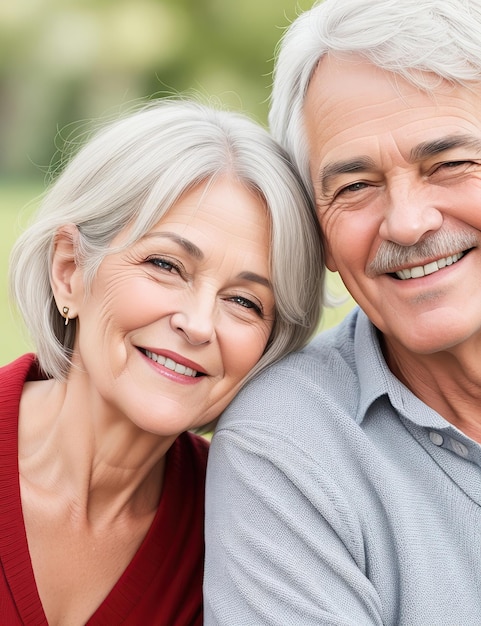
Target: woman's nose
x: 195, y: 321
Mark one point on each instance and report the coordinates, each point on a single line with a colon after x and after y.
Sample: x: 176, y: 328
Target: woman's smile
x: 174, y: 363
x: 192, y: 298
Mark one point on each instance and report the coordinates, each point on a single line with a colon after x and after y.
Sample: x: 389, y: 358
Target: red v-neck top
x: 162, y: 585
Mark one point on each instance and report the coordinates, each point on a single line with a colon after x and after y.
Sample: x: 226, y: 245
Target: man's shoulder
x: 329, y: 354
x: 337, y: 343
x: 319, y: 379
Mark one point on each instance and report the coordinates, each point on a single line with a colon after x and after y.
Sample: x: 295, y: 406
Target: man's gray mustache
x: 391, y: 256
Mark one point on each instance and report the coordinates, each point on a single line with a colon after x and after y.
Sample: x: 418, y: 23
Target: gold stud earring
x: 65, y: 311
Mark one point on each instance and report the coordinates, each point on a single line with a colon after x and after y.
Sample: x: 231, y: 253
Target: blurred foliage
x: 63, y: 61
x: 17, y: 203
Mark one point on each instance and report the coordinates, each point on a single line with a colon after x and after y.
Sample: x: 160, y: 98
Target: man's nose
x: 410, y: 214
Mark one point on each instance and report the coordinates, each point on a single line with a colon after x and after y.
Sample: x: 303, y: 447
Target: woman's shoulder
x: 13, y: 377
x: 23, y: 368
x: 194, y: 443
x: 187, y: 458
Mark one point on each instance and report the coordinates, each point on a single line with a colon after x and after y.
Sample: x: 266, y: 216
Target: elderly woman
x: 174, y: 257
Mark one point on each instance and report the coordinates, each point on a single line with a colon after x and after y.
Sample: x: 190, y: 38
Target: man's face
x: 397, y: 178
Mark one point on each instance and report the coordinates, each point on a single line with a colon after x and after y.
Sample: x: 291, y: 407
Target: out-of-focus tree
x: 62, y: 61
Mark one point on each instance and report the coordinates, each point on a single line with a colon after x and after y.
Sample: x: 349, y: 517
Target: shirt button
x: 459, y: 448
x: 436, y: 438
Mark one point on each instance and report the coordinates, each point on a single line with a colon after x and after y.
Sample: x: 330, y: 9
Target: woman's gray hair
x: 407, y: 37
x: 131, y: 173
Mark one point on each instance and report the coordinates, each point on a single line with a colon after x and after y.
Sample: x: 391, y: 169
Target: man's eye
x: 451, y: 165
x: 352, y: 188
x: 448, y: 170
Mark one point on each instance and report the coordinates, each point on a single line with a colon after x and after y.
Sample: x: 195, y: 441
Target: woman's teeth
x: 430, y: 268
x: 170, y: 364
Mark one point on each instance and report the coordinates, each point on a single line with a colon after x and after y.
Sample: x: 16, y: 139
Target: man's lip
x: 426, y: 268
x: 168, y: 354
x: 390, y: 269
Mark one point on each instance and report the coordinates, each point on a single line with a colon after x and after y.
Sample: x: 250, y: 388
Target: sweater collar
x: 377, y: 380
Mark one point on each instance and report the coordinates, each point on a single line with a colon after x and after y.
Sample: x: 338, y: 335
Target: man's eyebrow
x: 255, y: 278
x: 347, y: 166
x: 188, y: 246
x: 428, y: 149
x: 422, y: 151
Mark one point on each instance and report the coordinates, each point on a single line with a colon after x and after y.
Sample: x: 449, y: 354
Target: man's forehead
x: 350, y: 74
x: 360, y: 118
x: 347, y: 97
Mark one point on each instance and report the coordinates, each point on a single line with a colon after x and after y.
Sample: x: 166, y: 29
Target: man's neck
x: 449, y: 382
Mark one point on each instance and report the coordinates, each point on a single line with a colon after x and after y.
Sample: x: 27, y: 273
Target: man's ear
x: 330, y: 263
x: 328, y: 257
x: 66, y: 276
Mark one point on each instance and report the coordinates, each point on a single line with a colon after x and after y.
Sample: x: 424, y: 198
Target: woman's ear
x: 66, y: 276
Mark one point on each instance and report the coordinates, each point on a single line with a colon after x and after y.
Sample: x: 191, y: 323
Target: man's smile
x: 429, y: 268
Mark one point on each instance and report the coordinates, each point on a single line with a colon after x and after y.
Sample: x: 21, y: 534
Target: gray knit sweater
x: 335, y: 496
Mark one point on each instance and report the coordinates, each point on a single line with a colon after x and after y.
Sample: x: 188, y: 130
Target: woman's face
x: 173, y: 323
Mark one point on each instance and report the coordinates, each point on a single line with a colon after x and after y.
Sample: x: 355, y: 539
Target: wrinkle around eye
x: 247, y: 303
x: 353, y: 196
x: 246, y: 306
x: 357, y: 185
x: 162, y: 264
x: 345, y: 192
x: 451, y: 170
x: 166, y: 265
x: 351, y: 188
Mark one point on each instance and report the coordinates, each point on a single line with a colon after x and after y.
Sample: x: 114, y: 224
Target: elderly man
x: 345, y: 483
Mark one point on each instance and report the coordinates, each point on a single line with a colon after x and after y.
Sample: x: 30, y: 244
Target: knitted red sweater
x: 162, y: 585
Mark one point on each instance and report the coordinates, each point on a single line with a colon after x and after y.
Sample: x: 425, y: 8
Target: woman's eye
x: 164, y: 264
x: 246, y: 303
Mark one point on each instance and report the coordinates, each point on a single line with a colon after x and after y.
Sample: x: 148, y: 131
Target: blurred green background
x: 64, y: 63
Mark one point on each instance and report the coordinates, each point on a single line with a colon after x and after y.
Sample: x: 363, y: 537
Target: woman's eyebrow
x: 197, y: 254
x: 188, y: 246
x: 255, y: 278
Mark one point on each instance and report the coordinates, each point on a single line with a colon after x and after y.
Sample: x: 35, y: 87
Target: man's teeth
x: 430, y: 268
x: 170, y: 364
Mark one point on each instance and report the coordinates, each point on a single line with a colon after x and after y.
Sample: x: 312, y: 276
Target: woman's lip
x: 168, y: 354
x: 170, y: 374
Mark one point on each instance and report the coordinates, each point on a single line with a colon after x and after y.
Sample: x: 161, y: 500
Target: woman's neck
x: 102, y: 464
